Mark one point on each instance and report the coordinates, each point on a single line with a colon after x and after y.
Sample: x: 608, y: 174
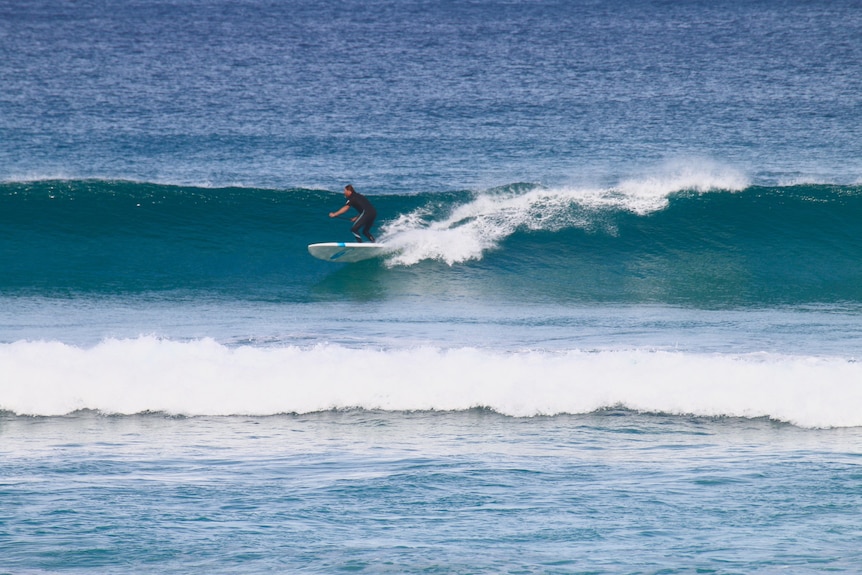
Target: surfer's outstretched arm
x: 340, y: 211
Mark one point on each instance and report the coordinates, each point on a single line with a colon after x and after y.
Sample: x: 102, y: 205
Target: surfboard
x: 348, y: 252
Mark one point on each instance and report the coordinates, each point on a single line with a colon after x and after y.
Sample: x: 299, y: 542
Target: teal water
x: 756, y: 246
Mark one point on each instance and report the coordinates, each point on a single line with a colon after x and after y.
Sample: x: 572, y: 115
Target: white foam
x: 697, y: 175
x: 483, y: 222
x: 205, y: 378
x: 33, y: 176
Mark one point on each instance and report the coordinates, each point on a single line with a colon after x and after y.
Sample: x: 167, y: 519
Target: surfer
x: 366, y: 217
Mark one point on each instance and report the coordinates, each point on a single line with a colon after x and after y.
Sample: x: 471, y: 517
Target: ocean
x: 618, y: 328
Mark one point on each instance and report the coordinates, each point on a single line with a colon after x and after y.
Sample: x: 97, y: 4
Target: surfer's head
x: 348, y: 189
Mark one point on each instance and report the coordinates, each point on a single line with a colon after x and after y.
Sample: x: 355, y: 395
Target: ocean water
x: 618, y: 327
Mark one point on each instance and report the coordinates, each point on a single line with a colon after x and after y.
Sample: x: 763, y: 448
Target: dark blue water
x: 418, y: 96
x: 618, y: 328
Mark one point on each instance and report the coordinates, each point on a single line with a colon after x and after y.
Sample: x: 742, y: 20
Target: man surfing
x: 366, y: 217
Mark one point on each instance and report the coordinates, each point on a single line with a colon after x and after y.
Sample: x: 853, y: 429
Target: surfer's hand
x: 331, y: 214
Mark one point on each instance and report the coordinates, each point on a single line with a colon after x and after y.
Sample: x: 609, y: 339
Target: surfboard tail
x: 346, y: 252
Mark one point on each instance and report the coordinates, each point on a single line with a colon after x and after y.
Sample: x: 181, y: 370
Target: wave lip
x: 203, y: 377
x: 474, y: 227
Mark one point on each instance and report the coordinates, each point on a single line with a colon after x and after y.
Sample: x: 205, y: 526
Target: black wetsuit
x: 367, y: 215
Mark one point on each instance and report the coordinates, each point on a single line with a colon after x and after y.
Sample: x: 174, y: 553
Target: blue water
x: 618, y: 328
x: 469, y: 492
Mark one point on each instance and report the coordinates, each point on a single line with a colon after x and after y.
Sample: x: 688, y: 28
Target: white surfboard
x: 346, y: 251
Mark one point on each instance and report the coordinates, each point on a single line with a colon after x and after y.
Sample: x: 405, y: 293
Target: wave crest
x: 474, y: 227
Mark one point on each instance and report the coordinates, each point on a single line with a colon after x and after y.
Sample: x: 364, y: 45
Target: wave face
x: 701, y: 243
